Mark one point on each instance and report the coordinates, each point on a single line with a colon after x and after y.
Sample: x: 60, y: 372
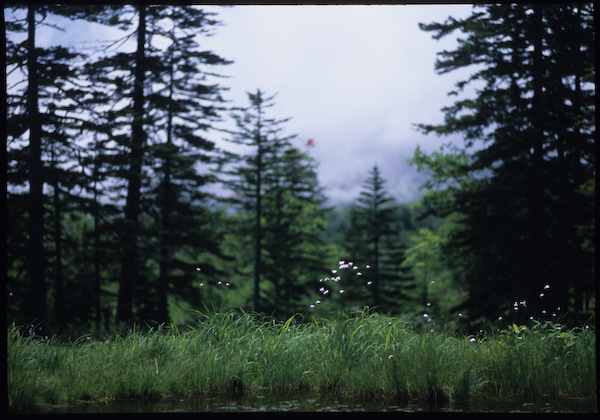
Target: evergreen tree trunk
x: 538, y: 261
x: 36, y: 300
x: 128, y: 277
x: 95, y: 215
x: 258, y: 215
x: 526, y: 225
x: 578, y: 177
x: 59, y: 305
x: 163, y: 276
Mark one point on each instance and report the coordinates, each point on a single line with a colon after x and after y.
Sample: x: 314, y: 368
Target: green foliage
x: 367, y: 355
x: 121, y: 148
x: 372, y: 238
x: 519, y: 195
x: 276, y: 188
x: 437, y: 293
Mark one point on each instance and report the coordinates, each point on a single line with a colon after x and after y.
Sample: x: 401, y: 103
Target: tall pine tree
x: 45, y: 115
x: 294, y: 218
x: 373, y: 239
x: 520, y: 195
x: 250, y: 172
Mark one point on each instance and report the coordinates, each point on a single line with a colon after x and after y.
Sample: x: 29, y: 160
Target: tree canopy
x: 521, y: 196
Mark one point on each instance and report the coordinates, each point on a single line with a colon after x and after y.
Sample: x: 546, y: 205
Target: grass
x: 364, y: 356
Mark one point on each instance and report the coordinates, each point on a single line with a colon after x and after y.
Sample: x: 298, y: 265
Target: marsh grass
x: 366, y: 356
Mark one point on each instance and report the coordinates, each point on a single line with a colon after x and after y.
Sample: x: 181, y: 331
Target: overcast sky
x: 353, y: 78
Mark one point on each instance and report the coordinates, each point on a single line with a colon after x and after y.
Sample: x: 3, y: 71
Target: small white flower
x: 391, y: 356
x: 333, y: 271
x: 425, y: 316
x: 473, y: 339
x: 342, y: 291
x: 359, y: 274
x: 369, y: 283
x: 312, y: 306
x: 546, y: 287
x: 367, y: 266
x: 318, y: 301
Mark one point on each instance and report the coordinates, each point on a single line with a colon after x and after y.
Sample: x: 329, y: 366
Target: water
x: 316, y: 402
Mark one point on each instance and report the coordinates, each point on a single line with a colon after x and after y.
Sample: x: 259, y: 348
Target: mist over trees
x: 110, y: 221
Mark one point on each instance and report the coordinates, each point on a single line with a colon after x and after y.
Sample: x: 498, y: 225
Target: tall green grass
x: 367, y: 355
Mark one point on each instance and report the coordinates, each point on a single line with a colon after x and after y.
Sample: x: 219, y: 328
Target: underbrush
x: 366, y: 356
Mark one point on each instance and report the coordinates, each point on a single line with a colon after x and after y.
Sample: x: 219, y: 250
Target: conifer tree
x: 276, y: 186
x: 373, y: 239
x: 109, y: 103
x: 45, y: 115
x: 183, y: 105
x: 249, y: 177
x: 294, y: 218
x: 156, y: 102
x: 519, y: 196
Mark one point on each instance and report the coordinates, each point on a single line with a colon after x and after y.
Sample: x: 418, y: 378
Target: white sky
x: 353, y: 78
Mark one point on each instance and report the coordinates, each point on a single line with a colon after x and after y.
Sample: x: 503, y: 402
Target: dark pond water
x: 315, y: 402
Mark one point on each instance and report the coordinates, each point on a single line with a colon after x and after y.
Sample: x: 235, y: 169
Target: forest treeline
x: 111, y: 219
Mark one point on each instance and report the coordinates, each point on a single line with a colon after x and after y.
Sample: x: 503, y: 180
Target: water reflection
x: 316, y: 402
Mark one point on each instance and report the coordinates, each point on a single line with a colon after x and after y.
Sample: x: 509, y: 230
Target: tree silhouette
x: 519, y: 196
